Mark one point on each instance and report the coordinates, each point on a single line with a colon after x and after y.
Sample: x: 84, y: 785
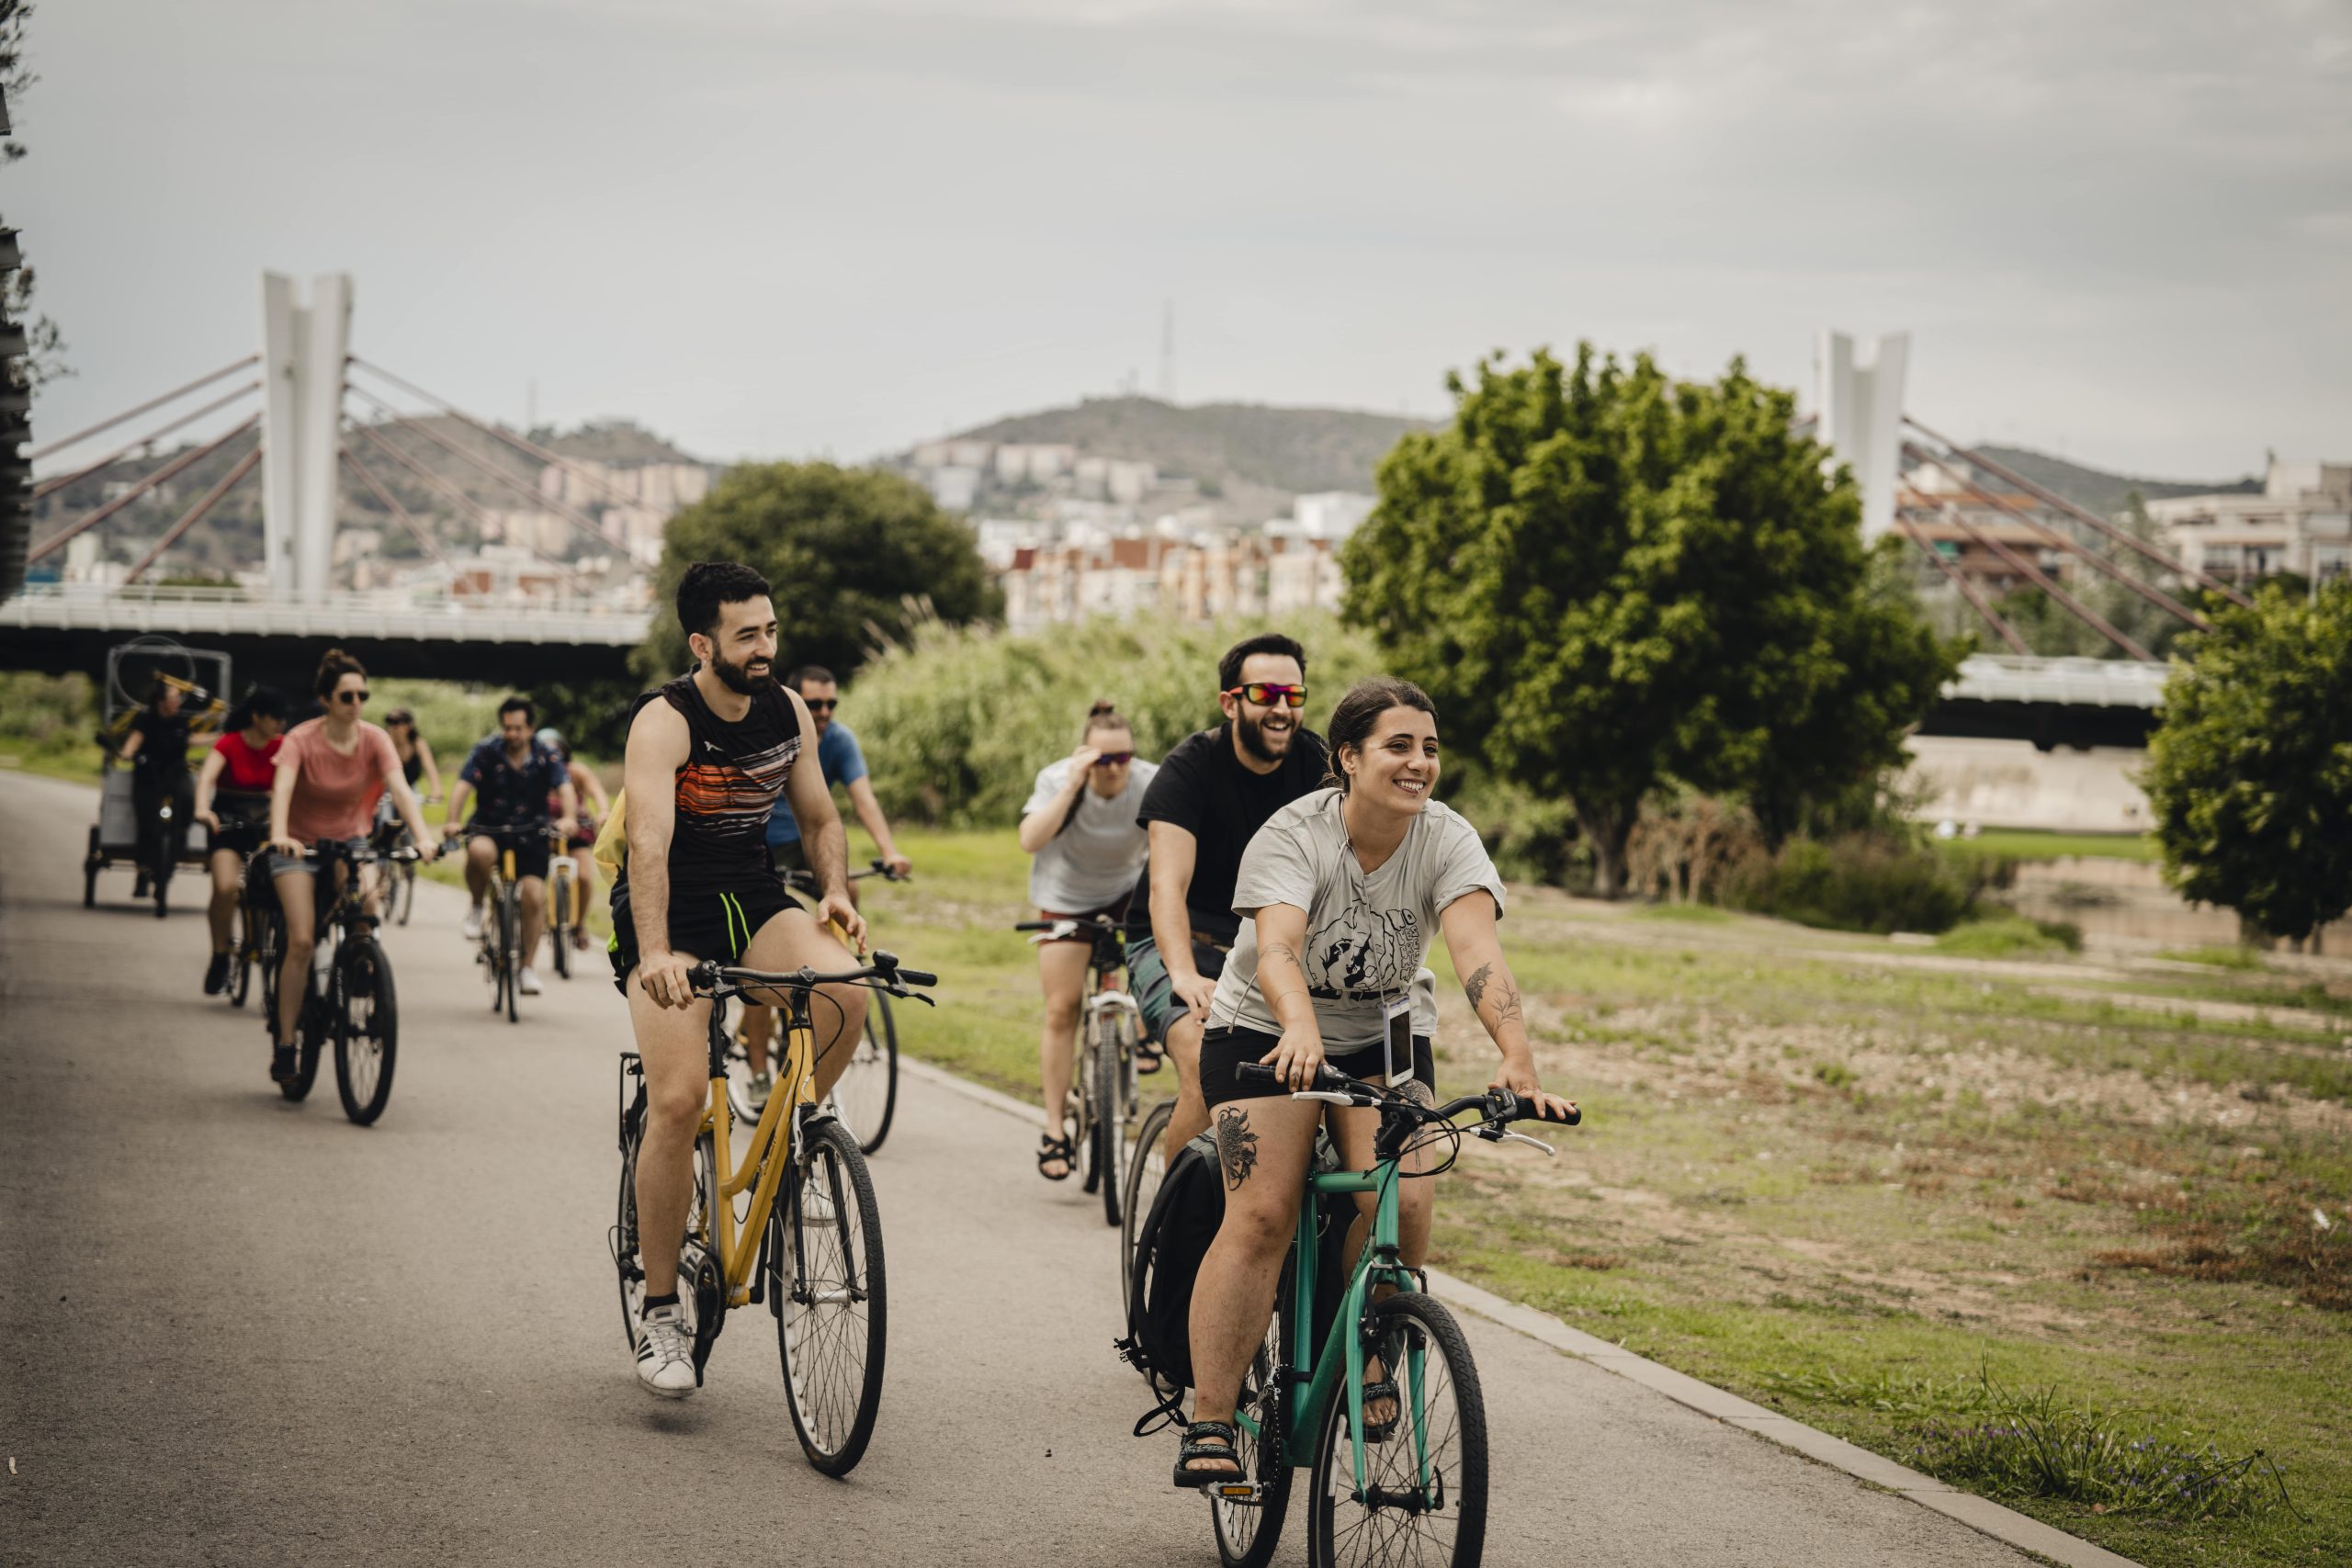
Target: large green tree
x: 851, y: 555
x: 1610, y: 580
x: 2250, y: 771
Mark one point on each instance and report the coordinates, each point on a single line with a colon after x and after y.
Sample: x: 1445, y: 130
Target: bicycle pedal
x: 1239, y: 1491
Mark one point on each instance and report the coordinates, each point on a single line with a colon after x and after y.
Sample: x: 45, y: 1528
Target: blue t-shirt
x: 513, y: 795
x: 841, y: 763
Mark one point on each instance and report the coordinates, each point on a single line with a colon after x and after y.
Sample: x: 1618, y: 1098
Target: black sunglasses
x: 823, y: 704
x: 358, y: 697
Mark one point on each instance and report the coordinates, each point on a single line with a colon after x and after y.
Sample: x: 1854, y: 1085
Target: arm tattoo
x: 1237, y: 1145
x: 1285, y: 950
x: 1506, y: 1009
x: 1475, y: 987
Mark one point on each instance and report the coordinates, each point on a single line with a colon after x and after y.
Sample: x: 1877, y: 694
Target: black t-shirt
x: 1203, y: 789
x: 163, y: 751
x: 724, y: 794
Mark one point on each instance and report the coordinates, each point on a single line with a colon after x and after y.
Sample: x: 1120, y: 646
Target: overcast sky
x: 2119, y: 230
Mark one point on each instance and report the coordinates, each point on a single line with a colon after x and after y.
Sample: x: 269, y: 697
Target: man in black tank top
x: 708, y: 755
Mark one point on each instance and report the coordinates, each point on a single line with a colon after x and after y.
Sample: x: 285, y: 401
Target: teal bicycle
x: 1412, y: 1490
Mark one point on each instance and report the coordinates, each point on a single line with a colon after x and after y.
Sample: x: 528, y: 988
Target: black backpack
x: 1173, y: 1239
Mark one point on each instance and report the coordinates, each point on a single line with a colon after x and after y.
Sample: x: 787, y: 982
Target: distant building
x: 1331, y: 514
x: 954, y: 486
x: 2301, y: 522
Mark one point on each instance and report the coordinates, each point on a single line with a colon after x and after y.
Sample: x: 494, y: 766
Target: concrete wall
x: 2007, y: 783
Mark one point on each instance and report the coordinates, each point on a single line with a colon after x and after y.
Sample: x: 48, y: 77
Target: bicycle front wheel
x: 1146, y: 1165
x: 559, y: 918
x: 1247, y: 1528
x: 510, y: 946
x: 241, y: 958
x: 1113, y: 1105
x: 1424, y: 1496
x: 404, y: 891
x: 868, y: 1092
x: 831, y: 1310
x: 366, y: 1035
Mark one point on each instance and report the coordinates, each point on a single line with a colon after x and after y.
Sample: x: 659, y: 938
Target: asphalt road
x: 240, y: 1331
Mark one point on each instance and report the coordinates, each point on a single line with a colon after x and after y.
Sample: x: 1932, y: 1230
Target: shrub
x: 2012, y: 936
x: 43, y: 711
x: 1862, y: 882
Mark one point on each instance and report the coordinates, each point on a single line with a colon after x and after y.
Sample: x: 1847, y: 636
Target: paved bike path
x: 238, y: 1331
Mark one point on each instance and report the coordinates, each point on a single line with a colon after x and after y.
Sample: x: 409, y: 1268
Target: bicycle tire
x: 160, y: 874
x: 1111, y: 1118
x: 92, y: 861
x: 404, y: 891
x: 622, y: 1239
x: 241, y: 957
x: 308, y: 1048
x: 1248, y: 1531
x: 1445, y: 1410
x: 867, y: 1091
x: 366, y: 1047
x: 1145, y: 1172
x: 1087, y: 1138
x: 836, y: 1262
x: 510, y: 942
x: 560, y: 923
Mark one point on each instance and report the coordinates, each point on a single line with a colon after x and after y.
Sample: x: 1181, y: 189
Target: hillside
x: 1291, y: 449
x: 2100, y: 491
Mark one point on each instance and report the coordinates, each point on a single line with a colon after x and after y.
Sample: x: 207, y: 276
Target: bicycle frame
x: 1339, y: 1361
x: 762, y: 1172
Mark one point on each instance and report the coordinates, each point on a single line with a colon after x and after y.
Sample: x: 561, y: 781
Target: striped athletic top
x: 728, y: 787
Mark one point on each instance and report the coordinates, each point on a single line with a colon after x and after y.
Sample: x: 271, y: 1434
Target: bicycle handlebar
x: 1074, y: 922
x: 711, y: 978
x: 1500, y: 1106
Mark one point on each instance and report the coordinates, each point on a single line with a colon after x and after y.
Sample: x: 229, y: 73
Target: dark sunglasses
x: 1114, y: 759
x: 1266, y: 693
x: 358, y: 697
x: 824, y: 704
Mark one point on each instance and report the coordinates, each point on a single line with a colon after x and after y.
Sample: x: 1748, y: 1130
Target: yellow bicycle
x: 807, y: 1242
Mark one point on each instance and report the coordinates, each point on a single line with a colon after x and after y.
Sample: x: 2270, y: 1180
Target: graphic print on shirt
x: 732, y: 798
x: 1364, y: 953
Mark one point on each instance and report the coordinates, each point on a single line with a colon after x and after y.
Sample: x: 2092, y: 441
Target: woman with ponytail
x: 1079, y: 826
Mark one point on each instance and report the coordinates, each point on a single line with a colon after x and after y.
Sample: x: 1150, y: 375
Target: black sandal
x: 1062, y: 1149
x: 1196, y: 1446
x: 1148, y: 1059
x: 1381, y: 1431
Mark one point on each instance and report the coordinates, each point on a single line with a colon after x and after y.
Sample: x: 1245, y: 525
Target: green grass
x: 2010, y: 936
x: 2244, y: 958
x: 2027, y: 844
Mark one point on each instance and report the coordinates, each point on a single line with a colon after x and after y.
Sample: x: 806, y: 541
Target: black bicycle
x: 867, y: 1095
x: 350, y: 1001
x: 501, y: 955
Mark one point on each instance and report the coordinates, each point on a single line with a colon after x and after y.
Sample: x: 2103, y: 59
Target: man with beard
x: 708, y: 755
x: 1213, y: 791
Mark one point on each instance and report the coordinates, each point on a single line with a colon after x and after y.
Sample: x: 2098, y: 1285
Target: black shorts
x: 240, y: 834
x: 530, y: 851
x: 1222, y: 1050
x: 706, y: 925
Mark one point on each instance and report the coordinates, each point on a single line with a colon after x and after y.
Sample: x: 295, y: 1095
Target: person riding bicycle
x: 516, y: 777
x: 1213, y: 791
x: 233, y: 802
x: 1344, y: 891
x: 840, y: 761
x: 1079, y: 828
x: 708, y: 754
x: 416, y: 753
x: 330, y: 770
x: 588, y: 790
x: 156, y: 749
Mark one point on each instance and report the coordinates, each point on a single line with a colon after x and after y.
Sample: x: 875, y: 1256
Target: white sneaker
x: 665, y: 1359
x: 529, y: 979
x: 471, y: 929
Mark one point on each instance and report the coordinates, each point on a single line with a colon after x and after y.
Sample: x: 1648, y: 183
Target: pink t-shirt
x: 335, y: 796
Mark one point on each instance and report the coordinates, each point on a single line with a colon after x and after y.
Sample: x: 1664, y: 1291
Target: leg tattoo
x: 1237, y: 1145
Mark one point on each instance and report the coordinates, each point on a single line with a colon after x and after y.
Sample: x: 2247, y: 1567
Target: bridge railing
x: 387, y: 613
x: 2090, y: 683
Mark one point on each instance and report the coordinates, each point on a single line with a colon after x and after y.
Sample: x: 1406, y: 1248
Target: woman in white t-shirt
x: 1079, y: 826
x: 1341, y: 893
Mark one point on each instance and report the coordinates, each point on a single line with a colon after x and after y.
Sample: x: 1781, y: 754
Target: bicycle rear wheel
x: 1111, y: 1112
x: 832, y: 1310
x: 366, y: 1035
x: 1146, y: 1165
x: 868, y: 1092
x: 1424, y: 1498
x: 1247, y: 1528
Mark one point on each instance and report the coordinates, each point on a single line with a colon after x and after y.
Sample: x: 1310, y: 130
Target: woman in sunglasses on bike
x: 1079, y: 828
x: 1341, y: 893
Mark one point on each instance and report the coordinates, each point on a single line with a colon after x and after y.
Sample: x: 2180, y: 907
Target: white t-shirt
x: 1095, y: 861
x: 1367, y: 935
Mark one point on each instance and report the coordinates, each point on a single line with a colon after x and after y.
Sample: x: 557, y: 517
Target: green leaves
x: 844, y: 550
x: 1615, y: 579
x: 2250, y: 772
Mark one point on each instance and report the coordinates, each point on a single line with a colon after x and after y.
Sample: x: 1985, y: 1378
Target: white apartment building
x: 2301, y: 522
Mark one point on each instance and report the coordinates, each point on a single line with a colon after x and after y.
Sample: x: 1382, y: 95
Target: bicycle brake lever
x: 1328, y: 1096
x: 1497, y: 1135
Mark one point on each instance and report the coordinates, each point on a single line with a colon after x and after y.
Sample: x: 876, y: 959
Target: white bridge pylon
x: 1862, y: 418
x: 303, y: 351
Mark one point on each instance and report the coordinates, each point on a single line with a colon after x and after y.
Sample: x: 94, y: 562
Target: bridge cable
x: 188, y: 519
x: 2064, y: 541
x: 2082, y: 514
x: 520, y: 444
x: 425, y: 540
x: 1968, y: 590
x: 465, y: 502
x: 193, y: 454
x: 37, y: 453
x: 50, y: 487
x: 2041, y: 580
x: 385, y: 410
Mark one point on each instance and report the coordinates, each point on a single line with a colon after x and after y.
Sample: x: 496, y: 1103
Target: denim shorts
x: 1155, y: 995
